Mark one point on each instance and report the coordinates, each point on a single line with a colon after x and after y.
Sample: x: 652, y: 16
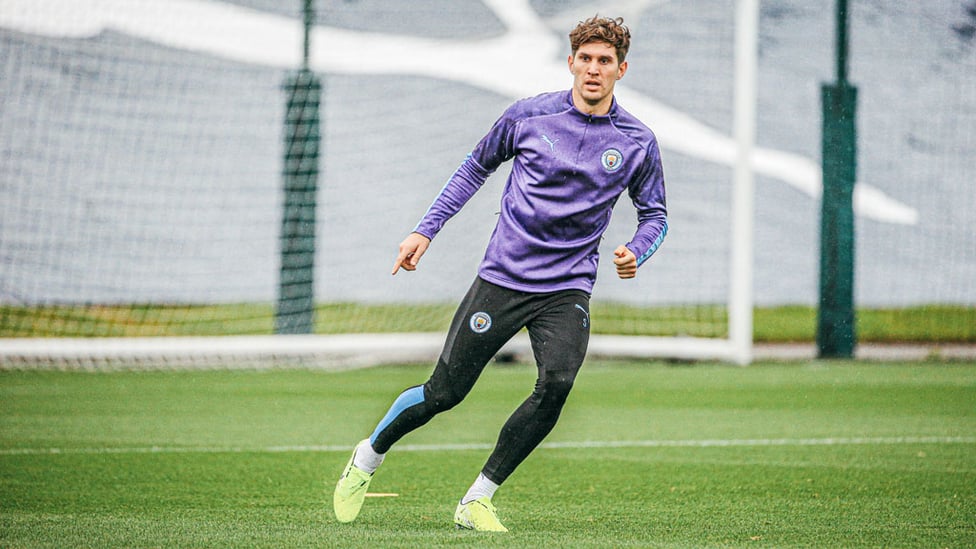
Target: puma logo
x: 586, y: 315
x: 550, y: 142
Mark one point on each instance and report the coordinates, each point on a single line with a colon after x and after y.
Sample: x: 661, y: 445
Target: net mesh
x: 141, y: 177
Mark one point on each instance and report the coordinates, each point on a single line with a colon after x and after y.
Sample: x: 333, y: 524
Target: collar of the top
x: 611, y: 114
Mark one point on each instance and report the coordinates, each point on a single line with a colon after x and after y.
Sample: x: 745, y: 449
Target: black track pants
x: 559, y: 326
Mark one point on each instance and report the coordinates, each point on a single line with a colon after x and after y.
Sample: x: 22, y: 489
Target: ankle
x: 367, y: 459
x: 482, y: 487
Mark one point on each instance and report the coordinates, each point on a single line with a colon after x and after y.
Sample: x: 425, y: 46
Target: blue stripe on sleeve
x: 654, y: 246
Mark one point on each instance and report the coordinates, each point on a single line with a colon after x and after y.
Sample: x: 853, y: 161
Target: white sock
x: 481, y: 487
x: 366, y: 458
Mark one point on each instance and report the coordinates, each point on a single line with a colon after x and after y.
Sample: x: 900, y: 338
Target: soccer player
x: 573, y: 154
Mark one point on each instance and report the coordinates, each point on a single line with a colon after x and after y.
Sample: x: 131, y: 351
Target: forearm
x: 651, y: 230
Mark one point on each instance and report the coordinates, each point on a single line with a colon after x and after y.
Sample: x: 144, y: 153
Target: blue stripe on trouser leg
x: 408, y: 398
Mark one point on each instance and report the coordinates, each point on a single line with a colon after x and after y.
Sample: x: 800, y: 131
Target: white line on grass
x: 705, y: 443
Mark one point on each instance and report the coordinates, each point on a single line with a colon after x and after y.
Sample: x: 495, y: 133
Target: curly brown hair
x: 602, y: 29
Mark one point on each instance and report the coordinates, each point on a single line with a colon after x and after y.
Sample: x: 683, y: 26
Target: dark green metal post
x: 295, y: 311
x: 835, y: 323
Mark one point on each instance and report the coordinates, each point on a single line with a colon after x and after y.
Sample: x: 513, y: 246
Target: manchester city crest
x: 612, y: 160
x: 480, y: 322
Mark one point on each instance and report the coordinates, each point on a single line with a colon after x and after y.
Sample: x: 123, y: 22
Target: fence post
x: 835, y: 322
x: 295, y: 311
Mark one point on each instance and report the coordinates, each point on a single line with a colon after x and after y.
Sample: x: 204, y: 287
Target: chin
x: 594, y: 97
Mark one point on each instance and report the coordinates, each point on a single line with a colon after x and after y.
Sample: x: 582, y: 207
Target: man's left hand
x: 626, y: 262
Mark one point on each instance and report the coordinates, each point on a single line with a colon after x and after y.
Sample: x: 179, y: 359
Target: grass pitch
x: 820, y: 454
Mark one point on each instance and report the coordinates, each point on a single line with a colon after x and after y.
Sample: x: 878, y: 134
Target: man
x: 574, y: 153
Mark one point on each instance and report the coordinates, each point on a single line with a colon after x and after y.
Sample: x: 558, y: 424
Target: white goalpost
x: 746, y: 74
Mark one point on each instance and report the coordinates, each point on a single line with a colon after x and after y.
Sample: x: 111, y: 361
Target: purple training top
x: 568, y: 171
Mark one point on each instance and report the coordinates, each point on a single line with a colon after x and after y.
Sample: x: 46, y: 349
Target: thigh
x: 485, y: 320
x: 560, y: 333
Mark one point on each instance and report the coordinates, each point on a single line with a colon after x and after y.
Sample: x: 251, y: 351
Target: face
x: 595, y: 72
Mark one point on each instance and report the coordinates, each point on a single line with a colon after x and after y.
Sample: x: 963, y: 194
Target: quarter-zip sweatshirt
x: 568, y: 170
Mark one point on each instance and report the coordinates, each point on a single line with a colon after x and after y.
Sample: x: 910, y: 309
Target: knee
x: 443, y: 398
x: 553, y: 390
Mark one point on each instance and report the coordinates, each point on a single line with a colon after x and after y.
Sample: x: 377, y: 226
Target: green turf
x: 247, y: 459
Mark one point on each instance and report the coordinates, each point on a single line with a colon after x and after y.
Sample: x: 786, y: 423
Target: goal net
x: 141, y: 175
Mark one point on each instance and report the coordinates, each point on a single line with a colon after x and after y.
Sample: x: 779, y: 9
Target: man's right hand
x: 411, y: 250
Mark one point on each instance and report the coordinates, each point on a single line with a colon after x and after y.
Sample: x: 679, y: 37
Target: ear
x: 569, y: 62
x: 621, y: 70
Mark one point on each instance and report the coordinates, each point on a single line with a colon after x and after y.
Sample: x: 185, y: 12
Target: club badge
x: 480, y: 322
x: 612, y: 160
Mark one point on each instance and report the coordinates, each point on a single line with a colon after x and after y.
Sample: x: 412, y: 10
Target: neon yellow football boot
x: 478, y: 515
x: 350, y: 491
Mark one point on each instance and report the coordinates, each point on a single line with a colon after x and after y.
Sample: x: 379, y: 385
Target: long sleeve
x: 648, y: 195
x: 466, y: 180
x: 493, y: 149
